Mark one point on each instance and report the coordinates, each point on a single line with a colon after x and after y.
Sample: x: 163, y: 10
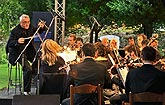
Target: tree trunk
x: 148, y: 29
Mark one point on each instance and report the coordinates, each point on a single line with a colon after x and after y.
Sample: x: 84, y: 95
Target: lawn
x: 4, y: 75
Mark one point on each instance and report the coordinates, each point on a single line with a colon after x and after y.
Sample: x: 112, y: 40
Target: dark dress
x: 53, y: 80
x: 54, y: 68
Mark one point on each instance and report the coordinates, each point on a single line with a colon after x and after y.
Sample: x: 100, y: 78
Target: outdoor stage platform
x: 15, y: 97
x: 6, y: 96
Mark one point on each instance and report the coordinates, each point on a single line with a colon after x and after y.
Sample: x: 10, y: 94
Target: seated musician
x: 140, y: 38
x: 71, y: 42
x: 143, y: 79
x: 106, y: 45
x: 100, y: 55
x: 88, y: 72
x: 132, y: 59
x: 79, y: 44
x: 114, y: 50
x: 157, y: 62
x: 52, y: 76
x: 51, y: 62
x: 131, y: 43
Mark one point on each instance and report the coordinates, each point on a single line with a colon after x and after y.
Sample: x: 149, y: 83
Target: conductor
x: 18, y: 39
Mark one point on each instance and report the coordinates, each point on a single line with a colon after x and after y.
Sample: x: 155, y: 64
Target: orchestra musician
x: 71, y: 42
x: 79, y: 44
x: 88, y: 72
x: 51, y: 61
x: 105, y: 43
x: 143, y: 79
x: 140, y: 38
x: 114, y: 50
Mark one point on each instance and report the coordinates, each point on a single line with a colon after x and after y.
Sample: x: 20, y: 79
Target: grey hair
x: 23, y: 16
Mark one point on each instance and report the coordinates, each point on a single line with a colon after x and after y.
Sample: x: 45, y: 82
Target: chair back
x: 53, y: 83
x: 146, y: 97
x: 85, y: 89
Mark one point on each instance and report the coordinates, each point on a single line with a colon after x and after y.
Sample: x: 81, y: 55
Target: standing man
x: 19, y: 37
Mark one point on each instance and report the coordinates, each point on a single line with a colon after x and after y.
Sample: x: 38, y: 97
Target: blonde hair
x: 113, y: 43
x: 49, y: 51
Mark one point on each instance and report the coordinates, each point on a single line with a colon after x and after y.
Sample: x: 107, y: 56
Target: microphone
x: 56, y: 14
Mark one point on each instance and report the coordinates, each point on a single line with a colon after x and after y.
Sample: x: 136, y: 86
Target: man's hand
x: 41, y: 24
x: 21, y: 40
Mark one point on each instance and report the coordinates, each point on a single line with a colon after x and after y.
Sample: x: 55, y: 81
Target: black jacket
x: 14, y: 48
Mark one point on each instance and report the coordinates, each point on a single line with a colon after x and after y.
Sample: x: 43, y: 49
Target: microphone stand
x: 38, y: 70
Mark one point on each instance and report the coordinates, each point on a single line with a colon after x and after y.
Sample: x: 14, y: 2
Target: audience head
x: 49, y: 51
x: 148, y: 54
x: 88, y: 49
x: 24, y: 21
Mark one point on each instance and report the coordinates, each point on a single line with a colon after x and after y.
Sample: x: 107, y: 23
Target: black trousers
x: 27, y: 73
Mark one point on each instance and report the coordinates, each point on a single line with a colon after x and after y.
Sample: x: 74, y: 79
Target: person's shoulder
x: 16, y: 28
x: 59, y: 57
x: 135, y: 70
x: 99, y: 64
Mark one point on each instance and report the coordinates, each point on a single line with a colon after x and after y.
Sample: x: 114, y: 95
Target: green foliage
x: 10, y: 11
x: 136, y: 12
x: 3, y: 59
x: 36, y: 5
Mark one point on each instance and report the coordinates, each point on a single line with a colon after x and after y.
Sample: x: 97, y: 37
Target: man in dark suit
x: 145, y: 78
x: 88, y: 72
x: 19, y: 38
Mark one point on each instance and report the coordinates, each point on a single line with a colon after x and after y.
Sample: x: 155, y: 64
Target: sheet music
x: 123, y: 71
x: 68, y: 55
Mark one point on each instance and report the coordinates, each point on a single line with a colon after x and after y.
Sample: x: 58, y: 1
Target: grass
x: 4, y: 75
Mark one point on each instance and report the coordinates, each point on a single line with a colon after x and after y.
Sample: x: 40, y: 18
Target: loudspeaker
x: 36, y: 100
x: 5, y: 101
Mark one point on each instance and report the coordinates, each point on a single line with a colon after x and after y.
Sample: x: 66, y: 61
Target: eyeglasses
x: 25, y: 22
